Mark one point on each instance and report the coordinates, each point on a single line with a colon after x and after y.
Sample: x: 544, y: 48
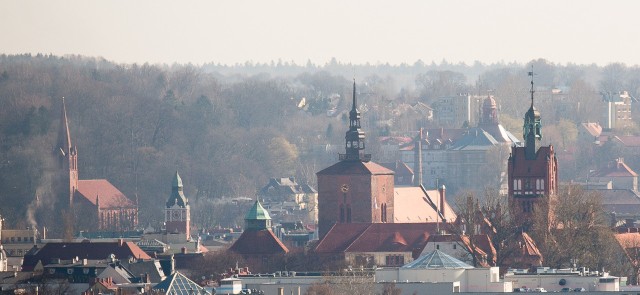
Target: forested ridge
x: 227, y: 129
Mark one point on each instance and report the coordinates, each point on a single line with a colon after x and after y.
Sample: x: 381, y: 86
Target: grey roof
x: 285, y: 186
x: 475, y: 139
x: 436, y: 260
x: 177, y: 196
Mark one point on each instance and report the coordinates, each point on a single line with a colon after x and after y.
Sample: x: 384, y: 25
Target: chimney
x: 146, y: 278
x: 183, y: 250
x: 120, y: 242
x: 442, y: 198
x: 417, y: 160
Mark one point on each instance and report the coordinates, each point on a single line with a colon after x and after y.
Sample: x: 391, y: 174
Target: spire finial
x: 532, y: 91
x: 354, y: 94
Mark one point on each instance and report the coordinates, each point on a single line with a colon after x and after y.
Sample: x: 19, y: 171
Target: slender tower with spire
x: 533, y: 172
x: 177, y: 211
x: 355, y: 189
x: 354, y: 139
x: 532, y: 129
x: 67, y: 157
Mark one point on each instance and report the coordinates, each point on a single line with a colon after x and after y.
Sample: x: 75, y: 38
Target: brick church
x: 96, y: 203
x: 533, y: 172
x: 354, y: 190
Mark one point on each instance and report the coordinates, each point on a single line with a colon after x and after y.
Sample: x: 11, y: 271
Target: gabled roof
x: 594, y: 129
x: 355, y: 167
x: 415, y: 204
x: 437, y: 260
x: 88, y: 250
x: 110, y: 196
x: 475, y: 139
x: 262, y: 242
x: 616, y: 168
x: 399, y: 168
x: 620, y: 201
x: 285, y: 186
x: 628, y: 141
x: 179, y: 284
x: 150, y: 267
x: 376, y: 237
x: 528, y: 246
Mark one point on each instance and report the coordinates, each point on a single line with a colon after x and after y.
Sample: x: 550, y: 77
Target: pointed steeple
x: 67, y: 155
x: 354, y: 139
x: 63, y: 145
x: 177, y: 195
x: 532, y: 129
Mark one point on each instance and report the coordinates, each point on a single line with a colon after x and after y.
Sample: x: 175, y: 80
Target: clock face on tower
x: 175, y: 215
x: 344, y: 188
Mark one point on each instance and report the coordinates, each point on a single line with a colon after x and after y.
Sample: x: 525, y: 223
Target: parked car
x: 579, y: 290
x: 540, y: 290
x: 565, y: 290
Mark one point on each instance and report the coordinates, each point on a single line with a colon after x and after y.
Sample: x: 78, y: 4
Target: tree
x: 575, y: 218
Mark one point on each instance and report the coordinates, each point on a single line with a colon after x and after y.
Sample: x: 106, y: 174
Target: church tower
x: 177, y: 214
x: 354, y: 190
x: 67, y: 157
x: 533, y: 172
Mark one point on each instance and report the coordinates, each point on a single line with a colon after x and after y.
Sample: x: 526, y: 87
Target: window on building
x: 69, y: 270
x: 19, y: 239
x: 394, y: 260
x: 454, y: 246
x: 438, y: 247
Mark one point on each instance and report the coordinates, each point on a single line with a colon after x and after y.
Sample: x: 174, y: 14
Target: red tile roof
x: 414, y: 204
x: 528, y: 246
x: 82, y: 250
x: 594, y: 129
x: 110, y: 196
x: 628, y: 141
x: 262, y: 242
x: 399, y: 168
x: 616, y: 168
x: 355, y: 167
x: 376, y: 237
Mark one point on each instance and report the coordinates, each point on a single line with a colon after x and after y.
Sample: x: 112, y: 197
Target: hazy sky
x: 159, y: 31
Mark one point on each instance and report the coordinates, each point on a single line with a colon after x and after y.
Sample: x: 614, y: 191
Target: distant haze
x: 229, y: 32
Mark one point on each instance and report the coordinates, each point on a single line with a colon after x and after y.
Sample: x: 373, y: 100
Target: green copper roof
x: 177, y: 181
x: 257, y: 212
x: 177, y: 195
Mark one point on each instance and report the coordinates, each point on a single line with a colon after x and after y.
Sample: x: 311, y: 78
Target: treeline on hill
x: 227, y: 132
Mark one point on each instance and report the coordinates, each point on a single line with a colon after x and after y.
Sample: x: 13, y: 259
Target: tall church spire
x: 354, y: 139
x: 67, y: 156
x: 63, y: 145
x: 532, y: 129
